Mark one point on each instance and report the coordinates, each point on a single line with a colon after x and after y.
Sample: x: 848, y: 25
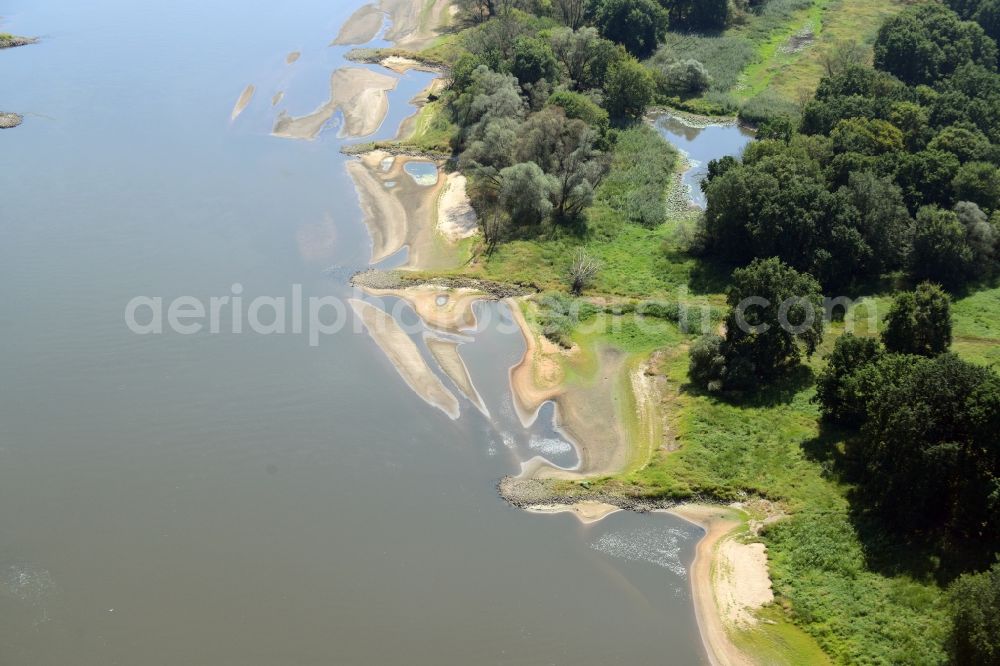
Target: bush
x: 919, y: 322
x: 707, y: 364
x: 685, y: 77
x: 975, y: 635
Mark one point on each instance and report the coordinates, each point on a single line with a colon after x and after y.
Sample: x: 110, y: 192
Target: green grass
x: 976, y: 334
x: 751, y: 58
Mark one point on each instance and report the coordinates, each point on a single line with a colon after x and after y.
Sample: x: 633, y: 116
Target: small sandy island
x: 401, y: 209
x: 729, y: 581
x: 589, y: 413
x: 359, y: 93
x: 443, y: 308
x: 405, y: 357
x: 292, y: 57
x: 445, y: 352
x: 243, y: 101
x: 8, y: 120
x: 413, y: 24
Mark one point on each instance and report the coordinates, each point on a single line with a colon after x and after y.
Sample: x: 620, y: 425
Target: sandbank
x: 292, y: 57
x: 243, y: 101
x: 729, y: 581
x: 360, y: 94
x: 456, y: 218
x: 445, y: 352
x: 361, y: 27
x: 9, y: 120
x: 404, y: 355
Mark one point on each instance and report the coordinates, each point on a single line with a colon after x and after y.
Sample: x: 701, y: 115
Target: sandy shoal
x: 360, y: 94
x: 243, y: 101
x: 399, y: 212
x: 729, y: 581
x: 443, y: 308
x: 9, y: 120
x: 586, y: 511
x: 445, y: 352
x: 414, y: 24
x: 292, y: 57
x: 404, y: 355
x: 361, y: 27
x: 456, y: 218
x: 589, y: 413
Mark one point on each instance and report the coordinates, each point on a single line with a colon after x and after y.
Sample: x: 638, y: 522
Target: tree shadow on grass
x: 778, y: 391
x: 709, y: 276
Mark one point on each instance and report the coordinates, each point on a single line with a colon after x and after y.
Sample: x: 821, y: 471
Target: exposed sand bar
x: 588, y: 413
x: 445, y: 352
x: 278, y: 96
x: 292, y: 57
x: 243, y: 101
x: 445, y: 309
x: 456, y: 217
x: 729, y: 581
x: 361, y: 27
x: 405, y: 357
x: 360, y: 94
x: 587, y: 511
x: 414, y: 24
x: 399, y: 211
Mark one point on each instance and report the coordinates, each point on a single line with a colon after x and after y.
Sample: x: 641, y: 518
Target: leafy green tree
x: 978, y: 182
x: 584, y: 56
x: 926, y: 178
x: 929, y: 451
x: 882, y: 219
x: 564, y: 149
x: 698, y: 14
x: 840, y: 395
x: 525, y: 193
x: 927, y: 42
x: 579, y: 106
x: 707, y: 363
x: 919, y: 322
x: 776, y: 316
x: 685, y: 77
x: 982, y: 237
x: 964, y: 141
x: 940, y: 251
x: 866, y: 136
x: 638, y: 25
x: 975, y: 607
x: 533, y: 61
x: 628, y: 90
x: 489, y: 95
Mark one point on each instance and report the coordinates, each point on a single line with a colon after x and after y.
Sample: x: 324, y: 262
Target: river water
x: 245, y: 499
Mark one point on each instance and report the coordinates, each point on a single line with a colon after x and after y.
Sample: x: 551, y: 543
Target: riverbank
x: 8, y: 41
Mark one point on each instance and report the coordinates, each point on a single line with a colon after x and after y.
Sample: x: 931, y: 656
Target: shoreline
x: 598, y: 455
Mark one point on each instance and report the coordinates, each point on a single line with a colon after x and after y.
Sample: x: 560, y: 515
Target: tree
x: 707, y: 364
x: 975, y: 607
x: 927, y: 42
x: 926, y: 178
x: 776, y: 315
x: 964, y: 141
x: 638, y: 25
x: 882, y: 218
x: 978, y: 182
x: 584, y: 55
x: 685, y: 77
x: 628, y: 90
x: 698, y: 14
x: 837, y: 389
x: 929, y: 454
x: 572, y: 13
x: 981, y: 236
x: 940, y: 252
x: 525, y: 193
x: 489, y: 95
x: 533, y: 60
x: 919, y: 322
x: 866, y: 136
x: 582, y: 271
x: 581, y: 107
x: 564, y: 149
x: 843, y: 55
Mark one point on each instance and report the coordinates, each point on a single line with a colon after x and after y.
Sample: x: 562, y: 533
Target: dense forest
x: 885, y: 180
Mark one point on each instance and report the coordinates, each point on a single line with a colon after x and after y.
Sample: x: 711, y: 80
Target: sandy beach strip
x: 729, y: 581
x: 586, y: 511
x: 243, y: 101
x: 384, y: 215
x: 404, y: 355
x: 445, y: 352
x: 360, y: 94
x: 456, y: 217
x: 442, y: 308
x: 361, y: 27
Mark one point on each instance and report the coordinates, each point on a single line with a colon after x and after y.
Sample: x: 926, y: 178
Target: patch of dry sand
x: 405, y: 357
x: 292, y: 57
x: 729, y: 581
x: 445, y: 352
x: 445, y: 309
x: 243, y: 101
x: 361, y: 27
x: 587, y: 511
x: 276, y: 99
x: 360, y: 94
x: 398, y: 211
x: 414, y: 24
x: 456, y: 217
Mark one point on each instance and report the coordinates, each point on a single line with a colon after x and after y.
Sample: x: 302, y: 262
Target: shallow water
x: 244, y: 498
x: 701, y: 145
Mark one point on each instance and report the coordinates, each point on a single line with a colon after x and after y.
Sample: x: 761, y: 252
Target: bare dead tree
x: 582, y: 271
